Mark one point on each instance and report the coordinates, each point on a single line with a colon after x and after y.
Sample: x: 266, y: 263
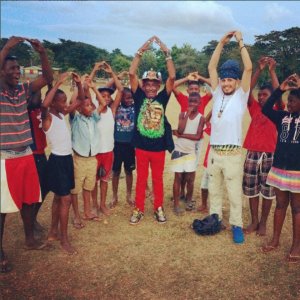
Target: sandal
x: 178, y: 211
x: 190, y: 207
x: 267, y: 248
x: 131, y: 203
x: 292, y: 259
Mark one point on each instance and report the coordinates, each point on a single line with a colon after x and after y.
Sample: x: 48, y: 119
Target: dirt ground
x: 150, y: 261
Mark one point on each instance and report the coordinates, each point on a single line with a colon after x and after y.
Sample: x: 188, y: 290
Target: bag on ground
x: 208, y: 226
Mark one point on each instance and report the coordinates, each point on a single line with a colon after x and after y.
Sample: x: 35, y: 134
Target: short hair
x: 295, y: 93
x: 127, y: 90
x: 194, y: 82
x: 57, y: 93
x: 8, y: 58
x: 195, y: 95
x: 267, y: 87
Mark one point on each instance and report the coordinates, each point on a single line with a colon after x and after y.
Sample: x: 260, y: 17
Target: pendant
x: 219, y: 115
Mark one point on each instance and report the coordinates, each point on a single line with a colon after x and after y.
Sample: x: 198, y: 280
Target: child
x: 85, y: 144
x: 60, y: 171
x: 123, y: 151
x: 193, y: 86
x: 105, y: 127
x: 183, y: 158
x: 205, y: 176
x: 38, y: 149
x: 260, y: 143
x: 285, y: 171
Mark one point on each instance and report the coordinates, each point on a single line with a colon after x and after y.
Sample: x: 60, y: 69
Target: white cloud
x: 274, y: 13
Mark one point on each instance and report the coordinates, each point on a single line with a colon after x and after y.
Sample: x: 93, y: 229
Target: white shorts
x: 183, y: 162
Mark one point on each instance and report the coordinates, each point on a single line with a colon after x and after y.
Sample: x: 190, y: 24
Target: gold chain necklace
x: 223, y: 107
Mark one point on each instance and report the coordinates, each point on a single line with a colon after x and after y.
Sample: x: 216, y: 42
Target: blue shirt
x: 85, y: 136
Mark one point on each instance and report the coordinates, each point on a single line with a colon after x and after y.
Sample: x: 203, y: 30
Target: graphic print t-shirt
x: 151, y: 130
x: 124, y: 124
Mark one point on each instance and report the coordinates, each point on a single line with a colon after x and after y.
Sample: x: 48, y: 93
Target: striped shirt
x: 15, y: 128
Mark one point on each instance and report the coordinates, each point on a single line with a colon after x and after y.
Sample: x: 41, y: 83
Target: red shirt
x: 183, y: 101
x: 262, y: 134
x: 38, y: 135
x: 207, y: 130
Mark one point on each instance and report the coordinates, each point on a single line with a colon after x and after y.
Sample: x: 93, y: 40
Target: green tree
x: 120, y: 63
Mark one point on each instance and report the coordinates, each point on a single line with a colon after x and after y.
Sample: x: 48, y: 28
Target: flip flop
x: 190, y: 207
x: 43, y: 246
x: 131, y: 203
x: 200, y: 208
x: 292, y: 259
x: 267, y: 248
x: 78, y: 225
x: 178, y: 211
x: 5, y: 268
x: 95, y: 218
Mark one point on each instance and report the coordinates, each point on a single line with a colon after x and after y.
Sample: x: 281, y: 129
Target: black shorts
x: 123, y: 152
x: 41, y: 166
x: 60, y: 174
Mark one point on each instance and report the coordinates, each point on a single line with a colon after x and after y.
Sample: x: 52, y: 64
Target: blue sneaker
x: 238, y: 236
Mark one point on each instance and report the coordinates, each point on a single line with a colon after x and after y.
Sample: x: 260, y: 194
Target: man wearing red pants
x: 152, y: 134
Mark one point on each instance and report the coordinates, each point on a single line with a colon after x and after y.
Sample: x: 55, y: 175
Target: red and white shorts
x: 19, y: 183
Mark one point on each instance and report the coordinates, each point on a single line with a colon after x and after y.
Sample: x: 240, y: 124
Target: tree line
x: 283, y: 46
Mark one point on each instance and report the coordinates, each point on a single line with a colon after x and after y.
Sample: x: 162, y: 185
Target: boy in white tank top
x: 183, y: 159
x: 60, y: 169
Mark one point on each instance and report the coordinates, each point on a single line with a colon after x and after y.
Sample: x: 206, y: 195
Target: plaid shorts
x: 256, y: 168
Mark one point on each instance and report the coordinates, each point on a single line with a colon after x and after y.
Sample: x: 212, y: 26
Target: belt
x: 227, y: 153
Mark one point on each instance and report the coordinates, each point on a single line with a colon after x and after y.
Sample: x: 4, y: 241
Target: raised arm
x: 11, y: 43
x: 290, y: 83
x: 79, y: 93
x: 261, y: 65
x: 190, y: 77
x: 47, y: 76
x: 134, y: 82
x: 111, y: 82
x: 246, y: 77
x: 214, y: 61
x: 97, y: 67
x: 119, y: 87
x: 46, y: 116
x: 170, y: 66
x: 100, y: 99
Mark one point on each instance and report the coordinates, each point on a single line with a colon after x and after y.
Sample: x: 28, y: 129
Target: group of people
x: 132, y: 129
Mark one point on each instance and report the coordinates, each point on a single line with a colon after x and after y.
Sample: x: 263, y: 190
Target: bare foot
x: 251, y: 228
x: 94, y: 211
x: 89, y: 216
x: 39, y: 246
x: 202, y: 208
x: 52, y: 237
x: 112, y: 205
x: 105, y: 210
x: 262, y: 230
x: 68, y: 249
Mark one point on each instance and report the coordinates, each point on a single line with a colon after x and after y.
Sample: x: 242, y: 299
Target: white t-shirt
x: 227, y: 130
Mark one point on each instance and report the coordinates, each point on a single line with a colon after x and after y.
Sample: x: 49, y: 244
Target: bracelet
x: 240, y: 40
x: 242, y: 48
x: 168, y: 57
x: 139, y: 53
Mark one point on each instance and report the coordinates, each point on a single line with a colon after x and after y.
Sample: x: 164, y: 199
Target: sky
x: 127, y: 25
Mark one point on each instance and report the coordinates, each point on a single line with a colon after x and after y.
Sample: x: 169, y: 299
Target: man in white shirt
x: 230, y: 104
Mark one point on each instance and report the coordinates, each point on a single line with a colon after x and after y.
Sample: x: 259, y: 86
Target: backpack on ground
x: 208, y: 226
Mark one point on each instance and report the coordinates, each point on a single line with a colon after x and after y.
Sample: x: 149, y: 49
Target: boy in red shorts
x: 19, y: 178
x: 105, y: 127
